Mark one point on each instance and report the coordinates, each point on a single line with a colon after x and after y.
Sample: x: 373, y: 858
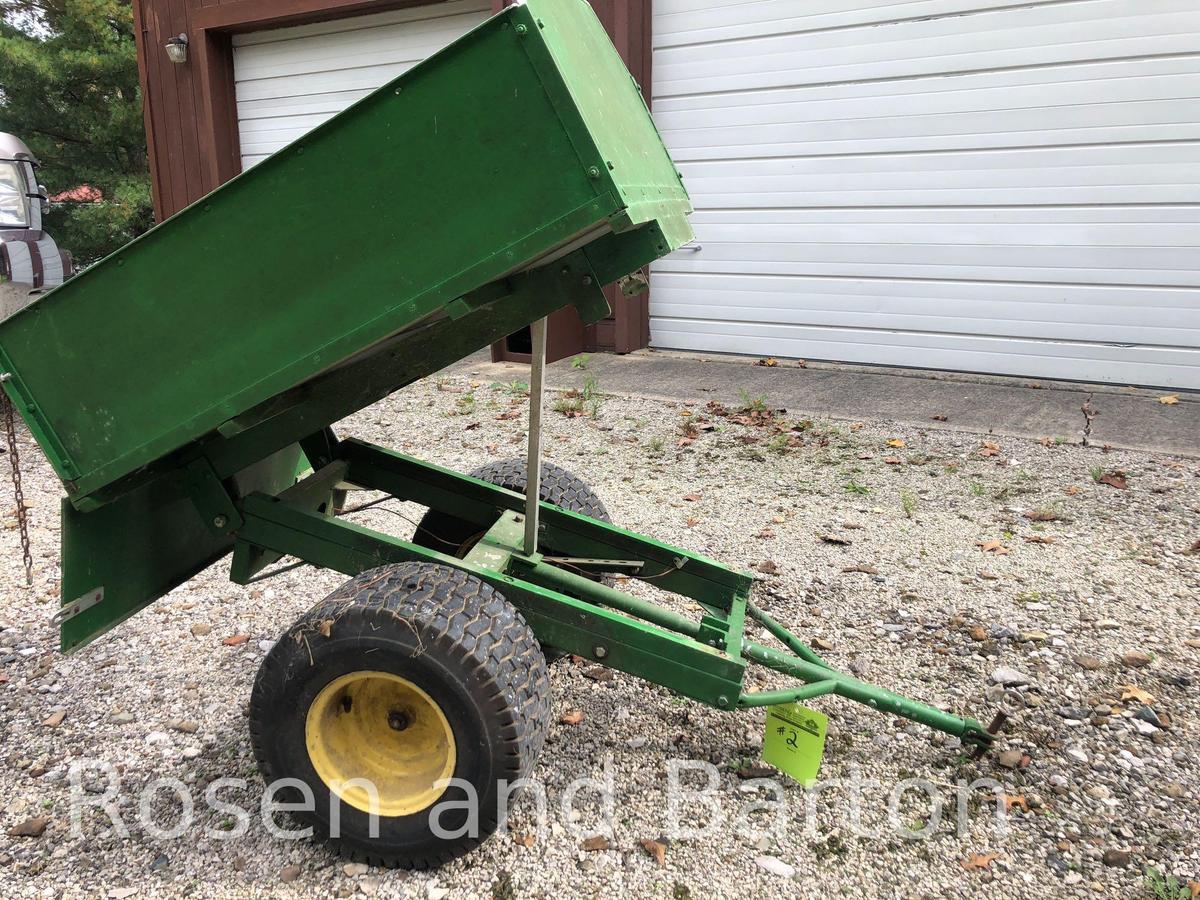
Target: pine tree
x: 69, y: 89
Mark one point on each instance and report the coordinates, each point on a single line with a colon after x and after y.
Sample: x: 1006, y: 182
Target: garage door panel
x: 1136, y: 218
x: 323, y: 104
x: 899, y: 261
x: 331, y: 57
x: 356, y: 79
x: 1043, y: 78
x: 1026, y: 36
x: 1040, y: 100
x: 1177, y: 241
x: 1039, y: 359
x: 289, y: 80
x: 1028, y: 311
x: 689, y: 22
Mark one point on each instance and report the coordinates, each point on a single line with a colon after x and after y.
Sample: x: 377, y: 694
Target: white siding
x: 981, y: 185
x: 290, y: 80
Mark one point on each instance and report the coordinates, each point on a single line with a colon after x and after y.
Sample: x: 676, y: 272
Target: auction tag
x: 795, y: 741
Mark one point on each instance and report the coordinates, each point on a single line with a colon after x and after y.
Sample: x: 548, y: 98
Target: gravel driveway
x: 932, y: 563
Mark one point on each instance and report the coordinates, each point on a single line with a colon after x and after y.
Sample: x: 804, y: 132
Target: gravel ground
x: 910, y: 555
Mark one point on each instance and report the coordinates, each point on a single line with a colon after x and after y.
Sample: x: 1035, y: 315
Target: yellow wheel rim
x: 375, y: 728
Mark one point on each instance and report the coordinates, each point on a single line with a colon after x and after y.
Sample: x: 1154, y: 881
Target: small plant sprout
x: 779, y: 443
x: 465, y: 405
x: 655, y: 445
x: 1097, y: 472
x: 977, y: 488
x: 908, y: 503
x: 753, y: 404
x: 581, y: 361
x: 570, y: 404
x: 1166, y: 887
x: 855, y: 487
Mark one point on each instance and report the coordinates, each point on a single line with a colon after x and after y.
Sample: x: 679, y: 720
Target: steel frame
x: 704, y: 658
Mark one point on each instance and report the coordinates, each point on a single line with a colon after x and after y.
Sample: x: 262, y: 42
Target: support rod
x: 787, y: 695
x: 574, y: 585
x: 533, y: 464
x: 788, y: 639
x: 869, y: 695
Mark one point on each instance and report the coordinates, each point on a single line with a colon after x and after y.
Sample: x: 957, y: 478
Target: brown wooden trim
x: 140, y: 37
x: 217, y: 120
x: 256, y: 15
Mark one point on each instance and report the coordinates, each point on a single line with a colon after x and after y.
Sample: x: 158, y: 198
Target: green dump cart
x: 178, y: 386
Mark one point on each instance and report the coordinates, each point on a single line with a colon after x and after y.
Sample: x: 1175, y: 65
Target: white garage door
x: 290, y: 80
x: 961, y: 184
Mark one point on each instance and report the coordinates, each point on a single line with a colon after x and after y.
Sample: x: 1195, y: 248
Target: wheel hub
x: 377, y: 733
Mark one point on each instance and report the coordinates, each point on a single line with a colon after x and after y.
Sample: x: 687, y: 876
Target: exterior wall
x: 191, y: 115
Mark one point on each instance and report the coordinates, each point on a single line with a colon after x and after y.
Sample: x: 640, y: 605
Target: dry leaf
x: 978, y: 862
x: 989, y: 448
x: 1194, y: 887
x: 656, y: 849
x: 767, y: 567
x: 234, y: 639
x: 765, y: 534
x: 525, y: 840
x: 939, y: 418
x: 55, y: 719
x: 892, y: 460
x: 1015, y: 801
x: 1133, y: 692
x: 834, y: 539
x: 895, y: 442
x: 325, y: 627
x: 1195, y: 548
x: 770, y: 362
x: 802, y: 364
x: 686, y: 441
x: 992, y: 546
x: 1041, y: 515
x: 1115, y: 479
x: 857, y: 426
x: 691, y: 521
x: 692, y: 498
x: 1039, y: 539
x: 572, y: 717
x: 1169, y: 399
x: 594, y: 843
x: 1071, y: 490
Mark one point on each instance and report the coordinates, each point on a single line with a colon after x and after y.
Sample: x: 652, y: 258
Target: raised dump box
x: 523, y: 140
x: 174, y: 385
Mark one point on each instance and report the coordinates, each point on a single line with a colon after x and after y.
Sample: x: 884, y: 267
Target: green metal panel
x: 487, y: 159
x: 147, y: 542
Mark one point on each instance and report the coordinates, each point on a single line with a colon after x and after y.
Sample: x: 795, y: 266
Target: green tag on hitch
x: 795, y: 741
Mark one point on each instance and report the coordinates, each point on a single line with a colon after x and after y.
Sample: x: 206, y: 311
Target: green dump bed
x: 396, y: 229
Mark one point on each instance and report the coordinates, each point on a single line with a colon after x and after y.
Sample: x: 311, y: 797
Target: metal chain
x: 14, y: 459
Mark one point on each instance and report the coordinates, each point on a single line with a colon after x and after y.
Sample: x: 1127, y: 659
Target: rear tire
x: 405, y: 675
x: 448, y: 534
